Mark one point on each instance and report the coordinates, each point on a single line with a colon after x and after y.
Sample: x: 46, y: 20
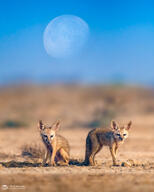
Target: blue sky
x: 120, y: 47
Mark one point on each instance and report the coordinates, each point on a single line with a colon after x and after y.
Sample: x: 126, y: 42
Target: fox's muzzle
x: 120, y: 138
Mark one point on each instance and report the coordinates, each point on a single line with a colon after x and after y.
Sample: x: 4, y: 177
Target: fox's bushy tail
x: 88, y: 150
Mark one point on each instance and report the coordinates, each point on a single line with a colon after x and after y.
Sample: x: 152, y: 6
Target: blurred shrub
x: 103, y: 119
x: 13, y: 124
x: 106, y: 117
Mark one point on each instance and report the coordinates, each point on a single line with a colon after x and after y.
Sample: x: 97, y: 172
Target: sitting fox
x: 57, y: 147
x: 108, y: 137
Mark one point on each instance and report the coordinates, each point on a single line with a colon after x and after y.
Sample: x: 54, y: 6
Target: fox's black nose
x: 121, y: 138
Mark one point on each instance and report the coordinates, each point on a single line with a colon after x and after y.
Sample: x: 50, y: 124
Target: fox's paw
x: 44, y: 164
x: 116, y: 164
x: 52, y: 164
x: 62, y: 163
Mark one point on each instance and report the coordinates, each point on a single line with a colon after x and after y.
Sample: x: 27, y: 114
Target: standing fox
x: 112, y: 137
x: 57, y: 147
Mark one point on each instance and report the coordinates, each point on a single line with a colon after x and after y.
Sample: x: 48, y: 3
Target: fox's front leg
x: 49, y: 158
x: 45, y: 157
x: 52, y: 159
x: 112, y: 150
x: 115, y: 149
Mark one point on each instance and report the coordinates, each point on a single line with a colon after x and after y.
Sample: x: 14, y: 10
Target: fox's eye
x: 118, y: 134
x: 51, y: 136
x: 124, y: 134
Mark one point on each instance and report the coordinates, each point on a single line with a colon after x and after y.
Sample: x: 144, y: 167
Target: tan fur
x: 57, y: 147
x: 99, y: 137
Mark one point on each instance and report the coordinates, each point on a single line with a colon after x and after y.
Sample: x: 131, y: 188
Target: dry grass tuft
x: 32, y: 151
x: 12, y: 164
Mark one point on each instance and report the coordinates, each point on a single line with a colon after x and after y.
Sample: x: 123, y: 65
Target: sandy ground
x: 24, y: 173
x: 138, y: 147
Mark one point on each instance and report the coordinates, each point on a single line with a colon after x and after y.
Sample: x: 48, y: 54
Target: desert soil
x: 20, y: 172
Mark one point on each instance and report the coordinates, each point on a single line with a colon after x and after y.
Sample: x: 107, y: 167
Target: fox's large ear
x: 129, y: 125
x: 56, y: 125
x: 41, y: 125
x: 114, y: 125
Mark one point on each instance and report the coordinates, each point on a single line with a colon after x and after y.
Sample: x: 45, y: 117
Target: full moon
x: 65, y: 36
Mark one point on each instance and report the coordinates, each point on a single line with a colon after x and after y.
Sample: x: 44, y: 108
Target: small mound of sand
x: 131, y: 163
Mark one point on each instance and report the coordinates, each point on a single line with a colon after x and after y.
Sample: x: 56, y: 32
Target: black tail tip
x: 85, y: 163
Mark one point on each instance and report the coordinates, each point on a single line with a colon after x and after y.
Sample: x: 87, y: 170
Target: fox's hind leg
x: 64, y: 157
x: 94, y: 149
x: 98, y: 149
